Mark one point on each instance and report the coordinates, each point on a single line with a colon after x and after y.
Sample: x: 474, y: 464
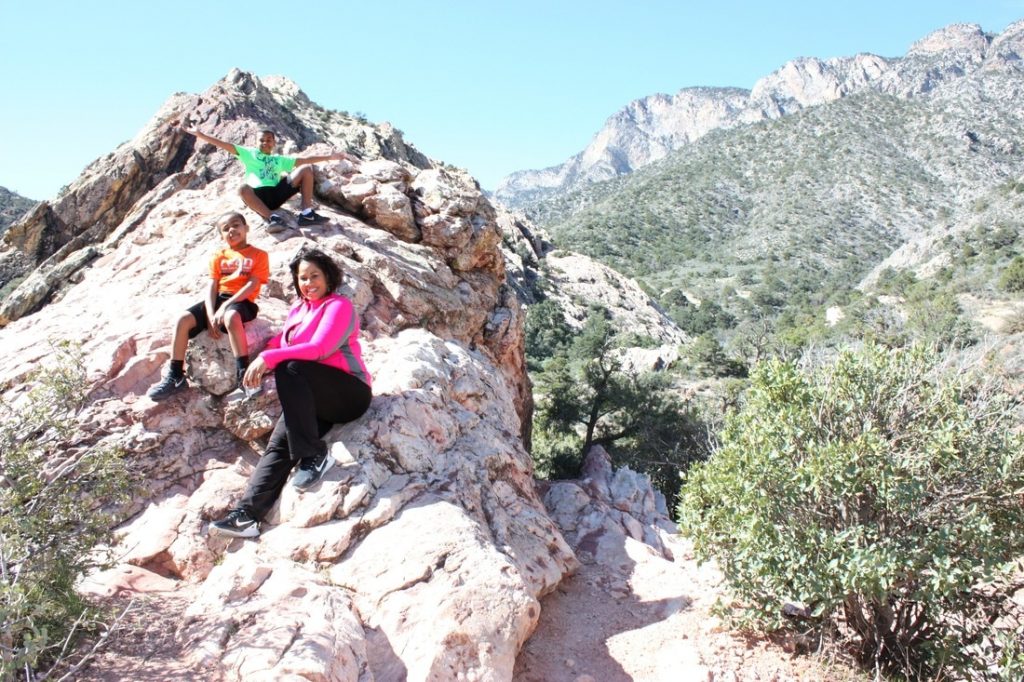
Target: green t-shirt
x: 263, y: 170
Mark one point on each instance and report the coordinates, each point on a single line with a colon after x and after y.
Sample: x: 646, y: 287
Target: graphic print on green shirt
x: 263, y: 170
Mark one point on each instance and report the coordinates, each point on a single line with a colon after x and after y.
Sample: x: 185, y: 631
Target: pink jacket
x: 325, y: 331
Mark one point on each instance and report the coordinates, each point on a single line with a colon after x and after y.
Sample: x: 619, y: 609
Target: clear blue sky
x: 493, y: 87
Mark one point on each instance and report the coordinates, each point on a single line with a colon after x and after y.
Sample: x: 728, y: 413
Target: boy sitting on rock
x: 237, y: 271
x: 270, y: 180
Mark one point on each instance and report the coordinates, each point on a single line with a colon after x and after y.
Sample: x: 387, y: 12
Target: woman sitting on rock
x: 321, y: 381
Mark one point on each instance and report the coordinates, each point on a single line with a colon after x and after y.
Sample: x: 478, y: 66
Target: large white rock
x: 426, y: 549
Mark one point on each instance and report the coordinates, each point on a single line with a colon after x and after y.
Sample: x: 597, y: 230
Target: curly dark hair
x: 320, y: 259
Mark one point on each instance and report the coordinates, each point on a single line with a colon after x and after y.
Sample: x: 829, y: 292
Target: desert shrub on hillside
x: 55, y: 494
x: 586, y: 398
x: 880, y: 498
x: 547, y: 333
x: 1012, y: 279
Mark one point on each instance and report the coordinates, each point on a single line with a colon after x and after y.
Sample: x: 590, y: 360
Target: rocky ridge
x: 649, y: 128
x: 424, y: 554
x: 431, y: 511
x: 12, y: 207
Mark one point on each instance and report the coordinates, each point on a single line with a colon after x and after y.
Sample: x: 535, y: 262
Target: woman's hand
x: 254, y: 373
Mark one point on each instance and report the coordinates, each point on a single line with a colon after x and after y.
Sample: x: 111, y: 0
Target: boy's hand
x: 184, y: 126
x: 216, y: 322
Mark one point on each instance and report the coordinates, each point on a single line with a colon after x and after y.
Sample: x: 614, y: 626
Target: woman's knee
x: 288, y: 370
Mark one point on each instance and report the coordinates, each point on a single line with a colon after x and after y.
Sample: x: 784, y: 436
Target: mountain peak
x: 955, y: 37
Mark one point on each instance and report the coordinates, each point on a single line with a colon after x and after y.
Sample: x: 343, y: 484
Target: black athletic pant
x: 314, y: 397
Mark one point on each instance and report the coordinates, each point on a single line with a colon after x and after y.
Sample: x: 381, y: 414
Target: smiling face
x: 312, y: 281
x: 233, y: 230
x: 267, y: 142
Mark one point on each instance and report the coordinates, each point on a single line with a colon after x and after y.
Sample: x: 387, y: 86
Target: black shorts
x: 246, y: 309
x: 275, y: 195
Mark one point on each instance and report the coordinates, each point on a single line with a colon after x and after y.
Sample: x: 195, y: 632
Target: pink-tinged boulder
x: 423, y: 553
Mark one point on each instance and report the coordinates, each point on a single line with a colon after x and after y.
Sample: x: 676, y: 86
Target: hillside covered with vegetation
x: 770, y: 224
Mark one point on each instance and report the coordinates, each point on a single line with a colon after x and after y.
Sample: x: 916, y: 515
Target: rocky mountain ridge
x: 649, y: 128
x: 424, y: 554
x: 12, y: 207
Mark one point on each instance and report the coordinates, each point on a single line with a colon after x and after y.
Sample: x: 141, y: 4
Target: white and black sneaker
x: 237, y: 524
x: 311, y: 470
x: 168, y: 387
x: 275, y: 224
x: 311, y: 218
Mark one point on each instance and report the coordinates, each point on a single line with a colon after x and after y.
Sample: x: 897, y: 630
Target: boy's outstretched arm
x: 337, y: 156
x: 220, y: 144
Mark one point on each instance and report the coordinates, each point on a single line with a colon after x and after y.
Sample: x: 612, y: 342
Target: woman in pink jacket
x: 321, y: 381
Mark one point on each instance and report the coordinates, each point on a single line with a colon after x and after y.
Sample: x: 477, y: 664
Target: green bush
x: 876, y: 496
x: 55, y: 494
x: 586, y: 398
x: 547, y: 332
x: 1012, y: 279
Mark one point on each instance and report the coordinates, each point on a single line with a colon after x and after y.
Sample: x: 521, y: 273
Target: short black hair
x: 320, y: 259
x: 225, y: 217
x: 264, y: 132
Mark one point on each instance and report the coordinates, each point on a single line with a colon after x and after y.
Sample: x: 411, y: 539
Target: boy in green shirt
x: 269, y: 180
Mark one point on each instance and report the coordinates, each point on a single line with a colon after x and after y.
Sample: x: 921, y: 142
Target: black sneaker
x: 311, y: 218
x: 237, y: 524
x: 275, y: 224
x: 168, y: 387
x: 311, y: 470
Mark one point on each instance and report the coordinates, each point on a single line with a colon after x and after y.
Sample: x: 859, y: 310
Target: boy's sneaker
x: 311, y: 470
x: 168, y: 387
x: 275, y: 224
x: 311, y: 218
x: 237, y: 524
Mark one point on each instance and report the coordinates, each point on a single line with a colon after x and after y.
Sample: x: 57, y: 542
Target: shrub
x: 1012, y: 279
x: 586, y: 398
x: 877, y: 495
x: 53, y: 492
x: 547, y: 332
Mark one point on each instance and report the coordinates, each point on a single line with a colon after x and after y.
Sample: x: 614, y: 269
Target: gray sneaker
x: 168, y: 387
x: 311, y: 470
x: 276, y: 224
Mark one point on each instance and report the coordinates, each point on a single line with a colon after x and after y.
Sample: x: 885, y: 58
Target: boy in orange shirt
x: 237, y: 271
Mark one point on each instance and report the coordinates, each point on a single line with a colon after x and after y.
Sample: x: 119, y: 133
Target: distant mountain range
x: 921, y: 170
x: 648, y: 129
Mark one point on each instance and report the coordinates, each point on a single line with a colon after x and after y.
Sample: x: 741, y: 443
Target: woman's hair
x: 320, y: 259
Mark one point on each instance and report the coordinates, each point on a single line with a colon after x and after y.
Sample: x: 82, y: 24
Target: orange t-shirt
x: 232, y: 269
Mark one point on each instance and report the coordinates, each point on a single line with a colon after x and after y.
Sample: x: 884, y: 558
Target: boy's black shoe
x: 311, y: 218
x: 311, y: 470
x: 237, y: 524
x: 275, y: 224
x: 168, y: 387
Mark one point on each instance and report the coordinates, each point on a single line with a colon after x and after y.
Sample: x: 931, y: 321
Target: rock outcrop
x: 649, y: 128
x: 12, y: 207
x: 424, y: 553
x: 116, y: 192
